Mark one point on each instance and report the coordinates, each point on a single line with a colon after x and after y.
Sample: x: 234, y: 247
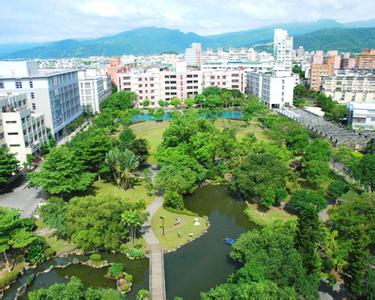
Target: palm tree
x: 122, y: 163
x: 133, y: 218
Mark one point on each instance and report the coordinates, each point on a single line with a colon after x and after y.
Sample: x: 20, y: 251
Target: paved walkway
x: 156, y: 255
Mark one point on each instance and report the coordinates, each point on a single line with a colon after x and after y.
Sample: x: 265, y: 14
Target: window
x: 31, y: 84
x: 14, y: 145
x: 11, y: 122
x: 18, y: 84
x: 12, y: 133
x: 32, y: 95
x: 1, y: 85
x: 33, y: 106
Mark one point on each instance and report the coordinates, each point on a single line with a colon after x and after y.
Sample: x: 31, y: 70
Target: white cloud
x: 25, y: 20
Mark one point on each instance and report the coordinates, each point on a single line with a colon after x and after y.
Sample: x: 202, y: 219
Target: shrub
x: 116, y: 270
x: 129, y: 277
x: 124, y: 248
x: 336, y: 188
x: 174, y: 200
x: 136, y: 253
x: 95, y: 257
x: 142, y: 294
x: 35, y: 253
x: 49, y: 252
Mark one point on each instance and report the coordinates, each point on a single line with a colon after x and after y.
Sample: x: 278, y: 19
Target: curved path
x: 156, y: 254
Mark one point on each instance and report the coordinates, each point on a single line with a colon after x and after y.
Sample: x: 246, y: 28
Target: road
x: 19, y: 196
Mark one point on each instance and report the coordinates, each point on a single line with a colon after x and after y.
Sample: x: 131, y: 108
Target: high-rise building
x: 21, y: 130
x: 274, y: 90
x: 93, y: 89
x: 283, y: 49
x: 53, y: 93
x: 193, y: 55
x: 317, y: 71
x: 366, y: 60
x: 318, y: 57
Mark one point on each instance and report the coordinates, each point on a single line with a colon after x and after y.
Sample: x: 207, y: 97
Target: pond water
x: 90, y: 277
x: 236, y: 115
x: 196, y: 267
x: 205, y: 262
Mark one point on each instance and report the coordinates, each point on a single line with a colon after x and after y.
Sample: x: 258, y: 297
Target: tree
x: 367, y: 166
x: 337, y: 188
x: 259, y: 176
x: 300, y: 91
x: 189, y: 102
x: 123, y: 164
x: 119, y: 101
x: 8, y: 165
x: 53, y: 214
x: 174, y: 200
x: 134, y: 218
x: 318, y: 149
x: 162, y: 103
x: 315, y: 170
x: 175, y: 101
x: 307, y: 239
x: 94, y: 223
x: 91, y: 147
x: 303, y: 199
x: 126, y: 138
x: 354, y: 221
x: 62, y: 173
x: 140, y: 148
x: 146, y: 103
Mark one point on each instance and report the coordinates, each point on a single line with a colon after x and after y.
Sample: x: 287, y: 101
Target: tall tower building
x: 193, y: 55
x: 283, y: 49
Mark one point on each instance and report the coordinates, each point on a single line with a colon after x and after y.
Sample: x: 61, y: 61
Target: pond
x: 236, y: 115
x: 196, y: 267
x: 90, y: 277
x: 205, y: 262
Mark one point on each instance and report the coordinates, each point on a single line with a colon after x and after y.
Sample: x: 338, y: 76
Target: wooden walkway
x: 156, y: 256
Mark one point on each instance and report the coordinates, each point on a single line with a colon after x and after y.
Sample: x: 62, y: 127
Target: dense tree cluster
x: 8, y: 165
x: 333, y: 111
x: 74, y: 289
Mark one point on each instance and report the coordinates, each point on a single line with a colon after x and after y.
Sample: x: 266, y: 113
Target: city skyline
x: 23, y: 21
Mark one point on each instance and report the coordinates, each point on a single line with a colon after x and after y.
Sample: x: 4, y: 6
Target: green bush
x: 136, y: 253
x: 142, y: 294
x: 49, y: 252
x: 116, y: 270
x: 35, y: 253
x: 129, y: 277
x: 95, y: 257
x: 124, y: 248
x: 174, y: 200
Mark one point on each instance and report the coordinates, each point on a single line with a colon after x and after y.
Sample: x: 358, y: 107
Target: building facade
x: 283, y: 49
x: 361, y: 115
x: 93, y: 89
x: 350, y: 86
x: 274, y: 89
x: 22, y: 131
x: 53, y: 93
x: 193, y: 55
x: 366, y: 60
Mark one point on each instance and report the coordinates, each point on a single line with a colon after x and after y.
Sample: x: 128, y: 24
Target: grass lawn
x: 152, y: 132
x: 59, y: 246
x: 266, y: 218
x: 243, y: 128
x: 134, y: 194
x: 171, y: 240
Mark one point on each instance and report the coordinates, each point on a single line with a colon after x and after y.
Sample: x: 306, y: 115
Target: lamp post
x: 162, y: 224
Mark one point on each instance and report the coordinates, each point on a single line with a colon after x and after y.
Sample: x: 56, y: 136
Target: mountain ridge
x: 156, y: 40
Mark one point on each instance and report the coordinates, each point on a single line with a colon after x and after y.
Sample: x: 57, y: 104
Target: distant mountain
x: 324, y: 34
x: 341, y: 39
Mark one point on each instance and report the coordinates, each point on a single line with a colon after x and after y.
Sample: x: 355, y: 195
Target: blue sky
x: 47, y: 20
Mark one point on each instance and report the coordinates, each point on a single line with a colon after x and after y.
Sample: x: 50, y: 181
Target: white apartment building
x: 53, y: 93
x: 155, y: 84
x: 93, y: 89
x: 361, y: 115
x: 274, y: 89
x: 225, y: 65
x: 283, y: 49
x: 193, y: 55
x: 350, y: 86
x: 22, y: 131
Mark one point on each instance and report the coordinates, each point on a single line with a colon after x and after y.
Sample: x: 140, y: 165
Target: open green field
x: 152, y: 132
x: 176, y: 235
x: 265, y: 218
x: 136, y: 193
